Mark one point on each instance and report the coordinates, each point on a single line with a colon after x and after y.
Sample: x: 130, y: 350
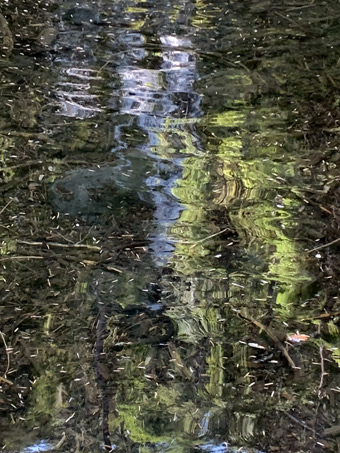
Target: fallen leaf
x: 297, y: 337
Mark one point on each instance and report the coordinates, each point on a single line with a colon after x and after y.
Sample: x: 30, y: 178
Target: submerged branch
x: 272, y: 336
x: 299, y: 422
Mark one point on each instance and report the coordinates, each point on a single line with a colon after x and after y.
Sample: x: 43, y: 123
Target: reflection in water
x: 41, y: 446
x: 74, y: 97
x: 184, y: 111
x: 155, y: 97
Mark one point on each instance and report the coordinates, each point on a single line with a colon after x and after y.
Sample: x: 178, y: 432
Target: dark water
x: 169, y: 187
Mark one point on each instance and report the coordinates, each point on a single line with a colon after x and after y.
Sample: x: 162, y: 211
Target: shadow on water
x: 169, y: 226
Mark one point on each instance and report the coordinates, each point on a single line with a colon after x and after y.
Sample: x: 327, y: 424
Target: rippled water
x: 159, y: 246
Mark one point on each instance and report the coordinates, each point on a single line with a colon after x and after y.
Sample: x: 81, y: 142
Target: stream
x: 169, y: 224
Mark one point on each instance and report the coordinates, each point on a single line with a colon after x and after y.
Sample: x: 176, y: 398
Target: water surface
x: 169, y: 190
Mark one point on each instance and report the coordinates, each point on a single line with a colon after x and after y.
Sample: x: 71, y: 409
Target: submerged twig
x: 209, y: 237
x: 21, y: 257
x: 325, y: 209
x: 29, y: 163
x: 5, y: 207
x: 323, y: 372
x: 5, y: 380
x: 323, y: 246
x: 322, y: 316
x: 289, y: 19
x: 294, y: 8
x: 61, y: 245
x: 61, y: 441
x: 8, y: 358
x: 296, y: 420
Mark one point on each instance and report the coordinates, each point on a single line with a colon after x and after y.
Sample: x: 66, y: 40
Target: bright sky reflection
x: 43, y: 445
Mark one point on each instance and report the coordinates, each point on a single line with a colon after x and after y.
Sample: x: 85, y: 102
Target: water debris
x: 256, y: 345
x: 297, y: 337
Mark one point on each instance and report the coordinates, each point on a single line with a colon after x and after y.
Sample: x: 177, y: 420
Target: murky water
x: 169, y: 188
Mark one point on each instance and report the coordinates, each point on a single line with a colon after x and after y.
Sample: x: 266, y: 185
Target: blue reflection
x: 223, y: 448
x: 43, y: 445
x: 204, y: 425
x: 211, y: 448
